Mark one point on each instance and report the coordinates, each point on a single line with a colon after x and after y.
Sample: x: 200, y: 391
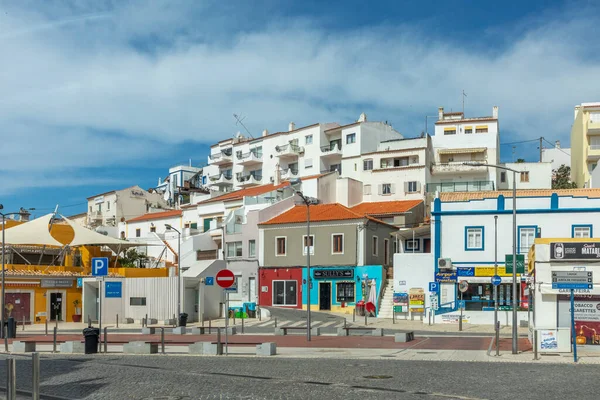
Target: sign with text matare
x: 574, y: 251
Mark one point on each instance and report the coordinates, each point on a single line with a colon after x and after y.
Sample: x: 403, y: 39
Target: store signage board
x: 334, y: 273
x: 572, y: 280
x: 508, y: 260
x: 54, y: 283
x: 574, y: 251
x: 446, y: 277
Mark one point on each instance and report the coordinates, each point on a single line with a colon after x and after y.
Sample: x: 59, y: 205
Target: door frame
x: 32, y: 315
x: 330, y: 294
x: 62, y: 308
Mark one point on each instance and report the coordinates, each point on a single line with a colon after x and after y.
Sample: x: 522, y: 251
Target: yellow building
x: 44, y: 276
x: 585, y: 143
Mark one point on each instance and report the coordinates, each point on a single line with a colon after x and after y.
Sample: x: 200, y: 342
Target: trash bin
x: 183, y: 319
x: 91, y: 336
x: 11, y: 328
x: 250, y: 309
x: 360, y: 308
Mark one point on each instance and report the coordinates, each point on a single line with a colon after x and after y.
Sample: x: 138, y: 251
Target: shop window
x: 474, y: 238
x: 234, y: 249
x: 345, y: 292
x: 310, y: 244
x: 137, y: 301
x: 281, y: 245
x: 581, y: 231
x: 284, y: 293
x: 337, y: 243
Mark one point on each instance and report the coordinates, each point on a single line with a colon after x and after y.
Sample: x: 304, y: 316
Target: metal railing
x: 246, y: 178
x: 331, y: 148
x: 475, y: 186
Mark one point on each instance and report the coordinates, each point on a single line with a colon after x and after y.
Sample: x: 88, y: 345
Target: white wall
x: 557, y: 157
x: 540, y: 176
x: 156, y: 239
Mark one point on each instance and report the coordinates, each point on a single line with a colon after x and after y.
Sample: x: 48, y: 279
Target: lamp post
x: 169, y: 227
x: 22, y: 211
x: 308, y: 201
x: 515, y: 334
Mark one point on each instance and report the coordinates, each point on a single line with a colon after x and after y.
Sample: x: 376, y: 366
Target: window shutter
x: 392, y: 188
x: 405, y: 187
x: 418, y: 186
x: 380, y: 189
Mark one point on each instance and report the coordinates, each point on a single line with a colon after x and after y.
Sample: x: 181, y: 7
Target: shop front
x: 338, y: 289
x: 280, y: 287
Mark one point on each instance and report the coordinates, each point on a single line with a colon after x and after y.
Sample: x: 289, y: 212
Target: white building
x: 183, y: 185
x: 459, y: 140
x: 463, y: 234
x: 557, y: 156
x: 529, y: 176
x: 243, y: 162
x: 107, y: 210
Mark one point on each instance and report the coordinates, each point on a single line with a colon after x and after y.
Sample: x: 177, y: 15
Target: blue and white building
x: 463, y: 232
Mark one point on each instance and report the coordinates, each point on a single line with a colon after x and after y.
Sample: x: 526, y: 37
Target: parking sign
x: 433, y: 286
x: 100, y: 266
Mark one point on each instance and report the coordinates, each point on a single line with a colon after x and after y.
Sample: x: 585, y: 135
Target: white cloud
x: 152, y: 71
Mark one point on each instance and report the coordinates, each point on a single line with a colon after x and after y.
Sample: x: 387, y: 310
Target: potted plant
x: 77, y: 315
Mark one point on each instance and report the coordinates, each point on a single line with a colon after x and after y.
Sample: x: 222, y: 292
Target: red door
x: 20, y: 304
x: 426, y: 245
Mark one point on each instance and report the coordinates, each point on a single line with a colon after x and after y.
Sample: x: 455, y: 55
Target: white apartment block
x: 459, y: 140
x: 529, y: 176
x: 107, y: 210
x: 181, y: 185
x: 557, y: 156
x: 242, y: 162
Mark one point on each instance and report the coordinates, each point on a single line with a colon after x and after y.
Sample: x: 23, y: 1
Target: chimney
x: 557, y: 144
x: 265, y: 132
x: 440, y: 113
x: 291, y: 127
x: 576, y: 111
x: 495, y: 112
x: 277, y: 178
x: 362, y: 118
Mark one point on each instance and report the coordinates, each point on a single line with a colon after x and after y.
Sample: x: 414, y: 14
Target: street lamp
x: 515, y: 335
x: 170, y: 227
x: 308, y: 201
x: 22, y: 211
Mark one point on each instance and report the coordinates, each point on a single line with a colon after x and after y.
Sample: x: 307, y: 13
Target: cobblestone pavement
x: 183, y: 377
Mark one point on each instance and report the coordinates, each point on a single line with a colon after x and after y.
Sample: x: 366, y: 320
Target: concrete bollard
x: 23, y: 323
x: 11, y: 379
x: 89, y: 322
x: 242, y: 324
x: 275, y: 322
x: 209, y: 326
x: 105, y: 340
x: 46, y: 327
x: 162, y: 340
x: 54, y: 340
x: 35, y: 376
x: 117, y: 321
x: 354, y: 315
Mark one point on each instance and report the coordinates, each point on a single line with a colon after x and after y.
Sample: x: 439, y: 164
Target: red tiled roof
x: 253, y: 191
x: 385, y: 207
x: 319, y: 213
x: 157, y: 215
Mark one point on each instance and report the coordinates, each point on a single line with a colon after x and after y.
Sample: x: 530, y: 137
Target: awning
x: 34, y: 232
x: 200, y: 266
x: 87, y: 237
x: 481, y: 127
x: 453, y: 128
x: 462, y: 151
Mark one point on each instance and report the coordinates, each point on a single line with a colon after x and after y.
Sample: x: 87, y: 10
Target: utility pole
x: 541, y: 139
x: 463, y: 101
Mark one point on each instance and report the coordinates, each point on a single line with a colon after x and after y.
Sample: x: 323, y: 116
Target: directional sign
x: 520, y: 263
x: 433, y: 300
x: 461, y: 304
x: 113, y: 290
x: 496, y: 280
x: 572, y: 280
x: 210, y: 281
x: 225, y: 278
x: 100, y: 266
x: 433, y: 286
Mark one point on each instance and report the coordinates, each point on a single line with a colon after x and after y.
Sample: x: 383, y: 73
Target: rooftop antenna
x: 239, y: 121
x: 463, y: 101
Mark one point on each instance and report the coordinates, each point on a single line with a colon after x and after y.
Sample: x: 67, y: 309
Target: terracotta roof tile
x: 157, y: 215
x: 464, y: 196
x: 385, y: 207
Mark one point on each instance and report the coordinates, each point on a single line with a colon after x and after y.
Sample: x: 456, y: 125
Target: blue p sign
x: 433, y: 286
x: 100, y: 266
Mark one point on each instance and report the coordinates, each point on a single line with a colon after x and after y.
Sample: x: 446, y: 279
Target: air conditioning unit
x: 444, y: 263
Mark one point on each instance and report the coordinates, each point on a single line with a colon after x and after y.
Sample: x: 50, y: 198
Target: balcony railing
x: 215, y: 178
x: 288, y: 149
x: 475, y: 186
x: 246, y: 178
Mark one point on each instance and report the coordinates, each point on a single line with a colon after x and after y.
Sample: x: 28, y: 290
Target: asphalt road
x: 185, y: 377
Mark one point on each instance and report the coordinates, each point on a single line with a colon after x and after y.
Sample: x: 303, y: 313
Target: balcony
x: 250, y: 158
x: 289, y: 150
x: 333, y: 150
x: 290, y: 173
x: 457, y: 167
x: 249, y: 180
x: 96, y: 216
x: 474, y: 186
x: 220, y: 180
x: 223, y: 157
x: 333, y: 168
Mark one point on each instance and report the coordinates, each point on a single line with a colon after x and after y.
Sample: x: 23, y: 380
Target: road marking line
x: 266, y: 323
x: 298, y: 323
x: 329, y: 324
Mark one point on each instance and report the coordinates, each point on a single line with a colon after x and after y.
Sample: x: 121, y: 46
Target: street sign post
x: 225, y: 278
x: 210, y: 281
x: 463, y: 286
x: 573, y: 280
x: 496, y: 280
x: 100, y: 270
x: 508, y: 262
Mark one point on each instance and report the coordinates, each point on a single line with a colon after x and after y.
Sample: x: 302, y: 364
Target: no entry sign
x: 225, y: 278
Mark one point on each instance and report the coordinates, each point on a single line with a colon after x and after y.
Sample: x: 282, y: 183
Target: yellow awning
x: 450, y: 129
x: 468, y: 127
x: 462, y: 151
x: 481, y: 127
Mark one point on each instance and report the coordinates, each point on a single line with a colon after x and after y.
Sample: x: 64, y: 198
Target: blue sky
x: 100, y: 95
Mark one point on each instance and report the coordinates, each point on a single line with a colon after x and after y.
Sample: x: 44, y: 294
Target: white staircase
x: 387, y: 301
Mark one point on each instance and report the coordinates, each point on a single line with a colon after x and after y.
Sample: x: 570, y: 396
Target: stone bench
x: 216, y: 348
x: 23, y: 347
x: 345, y: 331
x: 198, y: 331
x: 403, y: 337
x: 72, y: 347
x: 283, y: 330
x: 140, y: 348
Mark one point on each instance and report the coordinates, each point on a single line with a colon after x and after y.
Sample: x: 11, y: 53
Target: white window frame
x: 285, y: 281
x: 375, y: 246
x: 367, y: 189
x: 277, y: 248
x: 527, y: 230
x: 308, y: 139
x: 414, y: 245
x: 474, y: 232
x: 582, y: 232
x: 251, y: 254
x: 337, y: 253
x: 383, y: 191
x: 312, y: 248
x: 351, y: 135
x: 237, y: 245
x: 411, y: 183
x: 366, y: 161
